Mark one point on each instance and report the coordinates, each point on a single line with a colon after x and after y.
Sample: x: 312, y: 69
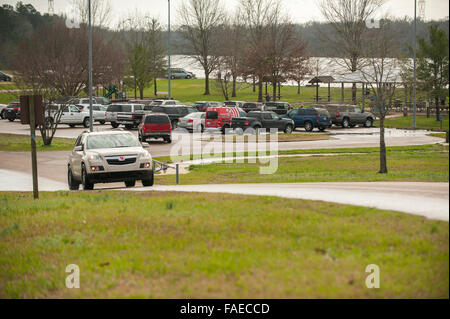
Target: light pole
x: 415, y: 49
x: 169, y: 74
x: 91, y: 119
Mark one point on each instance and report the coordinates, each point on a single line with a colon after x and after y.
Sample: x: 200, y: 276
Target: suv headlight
x: 94, y: 157
x: 144, y: 155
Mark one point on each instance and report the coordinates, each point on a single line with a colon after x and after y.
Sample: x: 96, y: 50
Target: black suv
x: 251, y: 106
x: 262, y: 120
x: 174, y: 112
x: 12, y: 111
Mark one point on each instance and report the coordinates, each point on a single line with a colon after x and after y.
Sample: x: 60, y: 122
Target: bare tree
x: 286, y: 51
x: 300, y: 70
x: 258, y: 16
x: 145, y: 53
x: 46, y: 63
x: 381, y: 72
x: 101, y: 13
x: 348, y: 18
x: 202, y: 20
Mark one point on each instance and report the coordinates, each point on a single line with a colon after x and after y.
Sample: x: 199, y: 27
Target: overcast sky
x: 300, y: 10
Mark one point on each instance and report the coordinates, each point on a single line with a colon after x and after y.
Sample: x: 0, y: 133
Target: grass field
x: 428, y: 163
x: 422, y: 122
x: 21, y: 143
x: 176, y: 245
x: 192, y: 90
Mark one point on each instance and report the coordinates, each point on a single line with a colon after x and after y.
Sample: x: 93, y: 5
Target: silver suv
x: 108, y: 157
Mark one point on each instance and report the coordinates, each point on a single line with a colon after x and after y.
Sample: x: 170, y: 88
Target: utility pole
x: 415, y: 52
x: 91, y: 118
x: 169, y: 74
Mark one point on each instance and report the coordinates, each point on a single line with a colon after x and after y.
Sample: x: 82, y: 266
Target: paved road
x: 424, y: 199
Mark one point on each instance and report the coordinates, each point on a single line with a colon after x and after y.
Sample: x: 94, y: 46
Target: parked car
x: 3, y: 107
x: 155, y: 125
x: 71, y: 115
x: 220, y: 118
x: 258, y: 120
x: 130, y: 115
x: 349, y: 115
x: 193, y: 122
x: 252, y: 106
x: 113, y: 110
x: 98, y: 111
x: 5, y: 77
x: 201, y: 106
x: 152, y: 104
x: 310, y: 118
x: 239, y: 104
x: 85, y: 100
x: 178, y: 73
x: 12, y: 111
x: 108, y: 157
x: 174, y: 112
x: 280, y: 108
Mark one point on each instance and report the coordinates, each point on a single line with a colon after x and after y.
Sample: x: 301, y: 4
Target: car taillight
x: 338, y: 114
x: 179, y: 120
x: 132, y: 117
x: 246, y: 123
x: 190, y: 121
x: 317, y: 118
x: 16, y: 108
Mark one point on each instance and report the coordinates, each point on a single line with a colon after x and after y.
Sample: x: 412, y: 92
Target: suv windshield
x: 111, y: 141
x: 156, y: 119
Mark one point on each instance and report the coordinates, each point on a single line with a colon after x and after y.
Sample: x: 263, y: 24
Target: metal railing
x: 163, y: 166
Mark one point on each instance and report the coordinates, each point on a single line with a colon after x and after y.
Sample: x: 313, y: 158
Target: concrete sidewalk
x: 424, y: 199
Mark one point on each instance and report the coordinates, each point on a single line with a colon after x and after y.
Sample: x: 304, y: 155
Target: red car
x: 155, y: 125
x: 219, y: 118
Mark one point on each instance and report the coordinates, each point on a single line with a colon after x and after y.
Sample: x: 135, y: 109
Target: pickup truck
x: 130, y: 115
x: 347, y: 115
x: 257, y: 120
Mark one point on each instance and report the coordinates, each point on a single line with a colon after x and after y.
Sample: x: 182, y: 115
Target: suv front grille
x: 121, y: 160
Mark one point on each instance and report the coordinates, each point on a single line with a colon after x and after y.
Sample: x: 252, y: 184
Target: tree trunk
x: 428, y: 107
x: 156, y: 87
x: 383, y: 164
x: 141, y: 93
x: 254, y: 85
x: 437, y: 108
x: 206, y: 84
x: 135, y: 88
x: 279, y: 90
x: 354, y: 93
x: 260, y: 89
x: 298, y: 87
x: 233, y: 93
x: 274, y: 90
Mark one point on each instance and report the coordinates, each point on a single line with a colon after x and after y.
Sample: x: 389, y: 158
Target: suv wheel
x: 308, y: 126
x: 168, y: 140
x: 11, y: 119
x: 102, y: 122
x: 86, y: 122
x: 368, y: 123
x: 84, y: 179
x: 2, y: 115
x: 114, y: 125
x: 288, y: 129
x: 129, y: 126
x: 149, y: 181
x: 73, y: 184
x: 321, y: 129
x: 188, y: 76
x: 130, y: 183
x: 346, y: 123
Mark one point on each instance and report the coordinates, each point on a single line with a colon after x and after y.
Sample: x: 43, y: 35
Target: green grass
x: 419, y: 163
x: 21, y: 143
x: 441, y: 135
x: 297, y: 137
x: 179, y: 245
x: 422, y: 122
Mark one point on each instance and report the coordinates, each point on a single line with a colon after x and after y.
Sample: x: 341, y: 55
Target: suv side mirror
x: 78, y: 148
